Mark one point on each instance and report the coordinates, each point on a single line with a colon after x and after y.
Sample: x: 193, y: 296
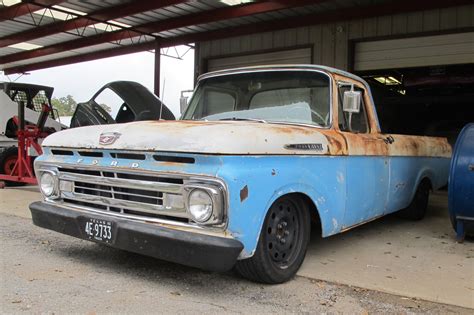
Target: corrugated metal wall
x: 445, y: 49
x: 330, y: 41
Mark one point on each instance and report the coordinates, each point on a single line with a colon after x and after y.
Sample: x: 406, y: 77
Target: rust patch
x: 244, y: 193
x: 335, y: 146
x: 420, y: 146
x: 172, y: 164
x: 365, y: 144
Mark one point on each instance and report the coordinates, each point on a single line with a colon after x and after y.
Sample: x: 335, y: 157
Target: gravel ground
x: 46, y: 272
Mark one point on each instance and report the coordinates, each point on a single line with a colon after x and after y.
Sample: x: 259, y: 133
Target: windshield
x: 272, y: 96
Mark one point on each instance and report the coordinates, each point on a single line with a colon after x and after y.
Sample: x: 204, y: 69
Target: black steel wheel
x: 418, y: 206
x: 282, y: 244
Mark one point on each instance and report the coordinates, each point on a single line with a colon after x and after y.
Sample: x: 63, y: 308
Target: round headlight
x: 200, y: 205
x: 47, y: 184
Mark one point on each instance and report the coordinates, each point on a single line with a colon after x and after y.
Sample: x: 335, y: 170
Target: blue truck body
x: 344, y: 178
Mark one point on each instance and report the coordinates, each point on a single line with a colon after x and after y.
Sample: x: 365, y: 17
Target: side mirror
x: 352, y: 100
x: 183, y: 100
x: 183, y: 103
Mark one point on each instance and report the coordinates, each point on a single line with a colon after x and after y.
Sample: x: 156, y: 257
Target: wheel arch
x: 313, y: 199
x: 425, y: 175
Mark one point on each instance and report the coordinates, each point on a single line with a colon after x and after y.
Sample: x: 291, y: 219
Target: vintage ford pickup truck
x: 258, y: 155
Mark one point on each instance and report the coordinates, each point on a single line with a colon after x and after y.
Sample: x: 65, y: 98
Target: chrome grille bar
x: 121, y: 182
x: 129, y: 205
x: 112, y: 192
x: 121, y: 192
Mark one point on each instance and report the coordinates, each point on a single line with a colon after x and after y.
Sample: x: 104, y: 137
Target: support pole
x: 156, y: 88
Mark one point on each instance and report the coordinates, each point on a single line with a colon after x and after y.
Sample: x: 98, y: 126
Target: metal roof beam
x: 25, y: 7
x: 402, y: 6
x: 154, y: 27
x: 124, y: 50
x: 102, y: 15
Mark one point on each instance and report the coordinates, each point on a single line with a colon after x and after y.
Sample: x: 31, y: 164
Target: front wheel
x: 282, y: 244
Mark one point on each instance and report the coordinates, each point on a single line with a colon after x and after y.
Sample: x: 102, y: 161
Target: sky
x: 82, y: 80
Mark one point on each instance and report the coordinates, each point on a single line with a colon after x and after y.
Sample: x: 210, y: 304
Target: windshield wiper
x: 244, y: 119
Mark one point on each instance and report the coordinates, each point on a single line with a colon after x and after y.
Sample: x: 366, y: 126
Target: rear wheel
x: 416, y: 210
x: 282, y: 244
x: 8, y: 158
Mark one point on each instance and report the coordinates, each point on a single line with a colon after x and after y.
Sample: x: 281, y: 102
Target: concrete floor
x: 418, y: 259
x: 413, y: 259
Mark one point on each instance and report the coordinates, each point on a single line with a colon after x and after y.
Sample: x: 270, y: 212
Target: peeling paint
x: 400, y: 186
x: 246, y: 138
x: 244, y: 193
x: 321, y: 200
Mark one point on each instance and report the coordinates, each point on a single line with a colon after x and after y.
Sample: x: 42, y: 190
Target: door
x: 367, y: 164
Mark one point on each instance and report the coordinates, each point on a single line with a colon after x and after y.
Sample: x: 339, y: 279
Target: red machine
x: 19, y: 169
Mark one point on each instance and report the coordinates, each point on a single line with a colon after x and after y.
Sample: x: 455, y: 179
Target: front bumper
x: 182, y: 247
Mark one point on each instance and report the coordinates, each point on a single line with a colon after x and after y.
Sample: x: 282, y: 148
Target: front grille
x: 122, y: 192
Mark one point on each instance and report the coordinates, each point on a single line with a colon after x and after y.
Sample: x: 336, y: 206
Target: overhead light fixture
x: 25, y: 46
x: 235, y: 2
x: 388, y: 80
x: 72, y: 11
x: 8, y: 3
x: 119, y: 24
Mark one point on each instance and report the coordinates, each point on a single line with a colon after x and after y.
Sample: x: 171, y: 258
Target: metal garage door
x: 415, y: 52
x: 294, y: 56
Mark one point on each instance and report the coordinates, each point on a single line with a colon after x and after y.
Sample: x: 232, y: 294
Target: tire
x: 8, y: 158
x: 282, y: 244
x: 416, y: 210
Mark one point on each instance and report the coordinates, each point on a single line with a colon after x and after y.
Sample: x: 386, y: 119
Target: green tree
x: 65, y: 105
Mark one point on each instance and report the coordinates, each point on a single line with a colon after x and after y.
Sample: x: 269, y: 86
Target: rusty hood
x: 223, y: 137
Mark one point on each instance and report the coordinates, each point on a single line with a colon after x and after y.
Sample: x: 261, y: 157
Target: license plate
x: 98, y: 230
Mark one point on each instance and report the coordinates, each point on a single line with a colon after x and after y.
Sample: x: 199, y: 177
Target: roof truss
x: 139, y: 31
x: 25, y: 7
x: 401, y: 6
x: 103, y: 15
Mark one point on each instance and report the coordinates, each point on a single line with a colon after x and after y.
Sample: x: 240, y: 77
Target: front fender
x: 254, y: 183
x: 328, y: 208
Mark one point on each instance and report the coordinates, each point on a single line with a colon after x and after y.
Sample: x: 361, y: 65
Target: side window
x: 358, y: 122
